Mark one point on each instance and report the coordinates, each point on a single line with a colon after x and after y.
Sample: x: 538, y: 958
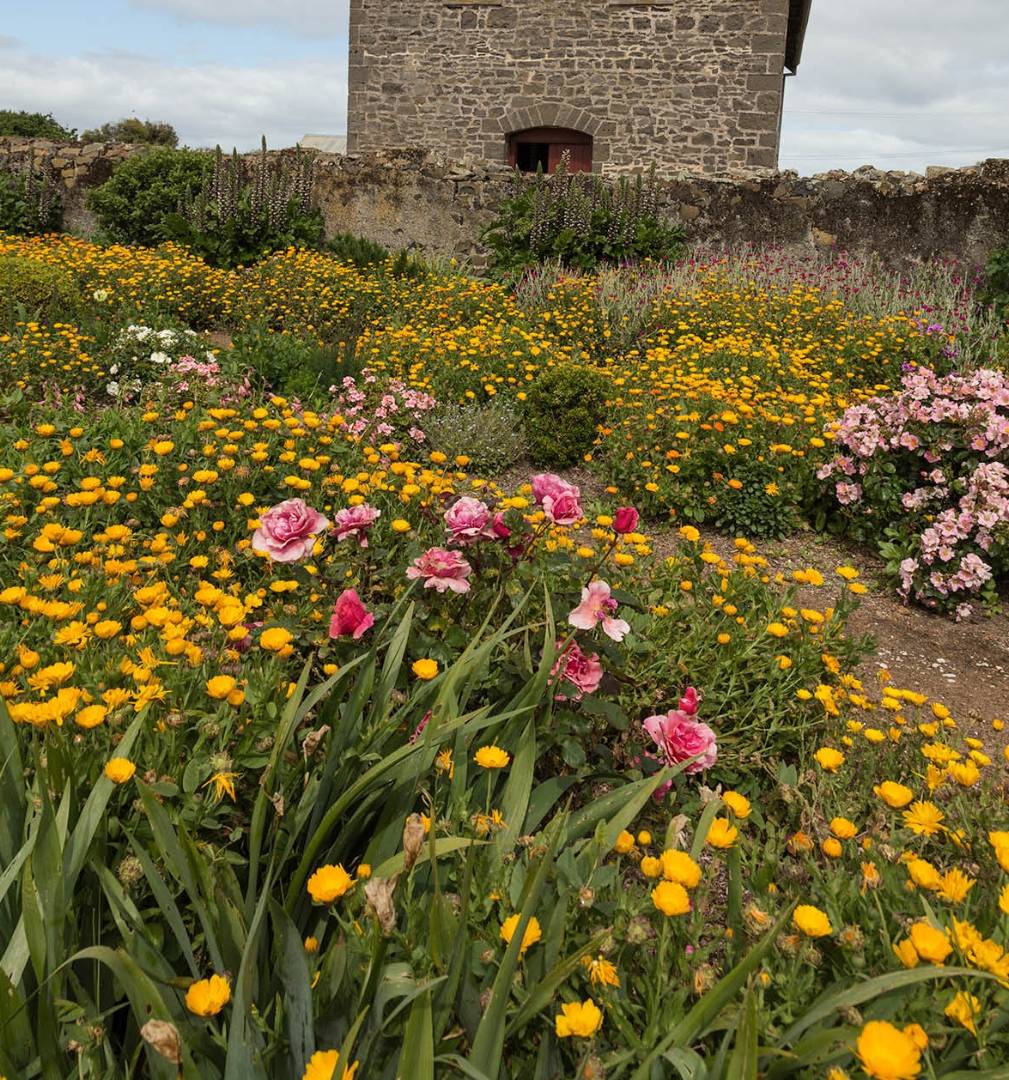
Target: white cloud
x: 900, y: 85
x: 207, y: 104
x: 315, y: 18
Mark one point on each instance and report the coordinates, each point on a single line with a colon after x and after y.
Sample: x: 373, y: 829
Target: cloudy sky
x: 897, y: 83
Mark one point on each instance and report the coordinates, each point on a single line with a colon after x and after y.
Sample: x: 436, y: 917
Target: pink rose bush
x: 558, y: 498
x: 679, y: 736
x: 468, y: 520
x: 929, y: 465
x: 287, y: 531
x: 597, y: 608
x: 350, y: 616
x: 355, y: 521
x: 442, y: 570
x: 583, y: 672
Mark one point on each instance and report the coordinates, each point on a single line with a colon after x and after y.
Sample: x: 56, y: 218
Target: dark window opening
x: 544, y: 148
x: 533, y: 156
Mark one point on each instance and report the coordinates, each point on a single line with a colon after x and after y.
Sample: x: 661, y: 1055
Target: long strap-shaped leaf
x: 489, y: 1042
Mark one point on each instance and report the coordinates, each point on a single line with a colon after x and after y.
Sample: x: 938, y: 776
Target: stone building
x: 687, y: 84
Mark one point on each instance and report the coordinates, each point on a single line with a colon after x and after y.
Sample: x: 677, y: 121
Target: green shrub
x: 31, y: 289
x: 580, y: 221
x: 36, y: 125
x: 356, y: 250
x: 242, y: 213
x: 995, y: 291
x: 132, y: 130
x: 287, y: 364
x: 144, y: 190
x: 30, y: 201
x: 490, y: 435
x: 563, y: 410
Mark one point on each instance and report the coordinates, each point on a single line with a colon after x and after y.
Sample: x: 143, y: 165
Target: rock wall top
x: 416, y: 198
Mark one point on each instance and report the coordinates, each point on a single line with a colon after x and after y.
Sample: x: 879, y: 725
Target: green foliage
x: 288, y: 365
x: 36, y: 125
x: 563, y: 410
x: 356, y: 250
x: 30, y: 201
x: 490, y: 435
x: 134, y: 203
x: 243, y: 213
x: 995, y: 291
x: 580, y: 221
x: 133, y: 130
x: 31, y: 289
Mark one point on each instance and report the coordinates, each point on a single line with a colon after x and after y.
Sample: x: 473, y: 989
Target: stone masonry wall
x: 420, y: 200
x: 687, y: 85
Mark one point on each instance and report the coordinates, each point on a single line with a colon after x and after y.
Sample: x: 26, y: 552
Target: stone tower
x: 618, y: 84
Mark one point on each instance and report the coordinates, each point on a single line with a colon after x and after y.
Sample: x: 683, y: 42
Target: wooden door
x: 579, y: 156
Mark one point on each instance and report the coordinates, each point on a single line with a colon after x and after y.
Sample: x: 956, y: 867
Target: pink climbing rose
x: 558, y: 498
x: 441, y: 569
x: 356, y: 521
x: 468, y: 520
x: 287, y: 531
x: 584, y: 672
x: 678, y: 736
x: 598, y: 606
x: 350, y: 616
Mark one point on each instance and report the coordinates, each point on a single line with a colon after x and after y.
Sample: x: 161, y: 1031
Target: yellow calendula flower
x: 895, y: 795
x: 811, y: 921
x: 119, y: 769
x: 206, y: 997
x: 601, y: 971
x: 887, y: 1053
x: 829, y: 759
x: 923, y: 874
x: 425, y: 669
x: 624, y: 842
x: 275, y: 639
x: 579, y: 1020
x: 532, y: 934
x: 678, y: 866
x: 842, y: 828
x: 721, y: 833
x: 671, y: 898
x: 738, y: 804
x: 492, y: 757
x: 832, y: 848
x: 90, y: 716
x: 220, y: 686
x: 964, y: 1009
x: 329, y: 883
x: 924, y: 818
x: 777, y: 629
x: 650, y: 866
x: 954, y: 886
x: 930, y: 944
x: 323, y: 1065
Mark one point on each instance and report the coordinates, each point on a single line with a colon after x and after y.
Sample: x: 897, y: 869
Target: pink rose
x: 598, y: 606
x: 356, y: 521
x: 679, y: 737
x: 558, y: 498
x: 350, y: 616
x: 584, y: 672
x: 441, y: 569
x: 499, y: 528
x: 625, y: 520
x: 287, y: 531
x: 468, y: 520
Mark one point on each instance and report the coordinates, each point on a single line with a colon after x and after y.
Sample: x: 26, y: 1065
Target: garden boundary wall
x: 418, y: 200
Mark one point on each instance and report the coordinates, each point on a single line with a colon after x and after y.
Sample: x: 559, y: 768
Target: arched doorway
x: 542, y: 148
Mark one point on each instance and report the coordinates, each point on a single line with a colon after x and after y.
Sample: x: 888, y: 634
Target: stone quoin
x: 691, y: 85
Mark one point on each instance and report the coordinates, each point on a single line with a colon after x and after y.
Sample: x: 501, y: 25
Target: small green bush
x: 133, y: 130
x: 30, y: 201
x: 287, y: 364
x: 356, y: 250
x: 563, y: 411
x: 580, y: 221
x: 490, y: 435
x: 134, y: 203
x: 31, y: 289
x: 36, y: 125
x: 995, y: 291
